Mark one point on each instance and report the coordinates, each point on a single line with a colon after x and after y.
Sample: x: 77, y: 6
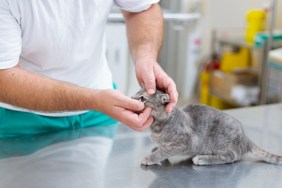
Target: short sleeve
x: 135, y: 5
x: 10, y: 37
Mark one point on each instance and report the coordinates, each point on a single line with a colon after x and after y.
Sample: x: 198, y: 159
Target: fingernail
x: 151, y: 91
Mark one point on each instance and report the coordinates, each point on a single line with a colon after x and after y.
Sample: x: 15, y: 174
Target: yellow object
x: 205, y: 78
x: 217, y: 103
x: 235, y: 60
x: 256, y: 19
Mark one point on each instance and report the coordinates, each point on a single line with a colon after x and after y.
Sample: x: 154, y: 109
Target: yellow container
x: 205, y: 78
x: 236, y: 60
x: 218, y: 103
x: 256, y: 21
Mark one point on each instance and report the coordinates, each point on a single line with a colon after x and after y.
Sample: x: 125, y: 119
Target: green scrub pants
x: 16, y: 123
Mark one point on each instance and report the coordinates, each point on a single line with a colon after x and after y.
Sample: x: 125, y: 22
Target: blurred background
x: 222, y: 53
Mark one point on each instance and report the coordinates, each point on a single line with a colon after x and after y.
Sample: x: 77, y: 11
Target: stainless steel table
x: 94, y: 158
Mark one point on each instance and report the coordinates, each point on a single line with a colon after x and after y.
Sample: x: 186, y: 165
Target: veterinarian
x: 53, y: 70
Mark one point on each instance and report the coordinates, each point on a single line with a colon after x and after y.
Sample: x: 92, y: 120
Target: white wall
x: 279, y: 15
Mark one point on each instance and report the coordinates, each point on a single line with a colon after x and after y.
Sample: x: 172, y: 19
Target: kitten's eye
x: 142, y: 99
x: 165, y: 99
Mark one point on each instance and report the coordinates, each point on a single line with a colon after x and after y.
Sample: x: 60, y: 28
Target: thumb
x: 149, y: 81
x: 131, y: 104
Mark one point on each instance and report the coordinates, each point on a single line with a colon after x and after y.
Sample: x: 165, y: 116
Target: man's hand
x: 124, y: 109
x: 150, y: 74
x: 145, y: 35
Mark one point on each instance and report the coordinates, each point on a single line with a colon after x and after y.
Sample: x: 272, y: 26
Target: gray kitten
x: 207, y: 134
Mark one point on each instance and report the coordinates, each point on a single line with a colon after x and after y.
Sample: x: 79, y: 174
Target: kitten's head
x: 155, y: 101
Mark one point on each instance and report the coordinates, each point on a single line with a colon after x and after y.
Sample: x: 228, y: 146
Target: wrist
x: 145, y: 53
x: 94, y: 99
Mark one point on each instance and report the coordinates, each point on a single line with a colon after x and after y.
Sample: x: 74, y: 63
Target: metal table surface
x: 94, y: 158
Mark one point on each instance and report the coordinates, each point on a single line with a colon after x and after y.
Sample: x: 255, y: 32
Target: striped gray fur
x: 209, y: 135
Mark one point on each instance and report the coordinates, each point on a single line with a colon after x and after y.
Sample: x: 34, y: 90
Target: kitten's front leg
x: 158, y: 154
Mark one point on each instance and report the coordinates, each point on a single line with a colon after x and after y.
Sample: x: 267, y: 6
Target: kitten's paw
x: 198, y: 160
x: 147, y: 161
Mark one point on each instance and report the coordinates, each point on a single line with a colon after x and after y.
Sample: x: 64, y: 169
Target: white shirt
x: 61, y: 39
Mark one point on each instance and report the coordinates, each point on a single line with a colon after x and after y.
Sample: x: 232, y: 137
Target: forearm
x: 145, y: 32
x: 35, y: 92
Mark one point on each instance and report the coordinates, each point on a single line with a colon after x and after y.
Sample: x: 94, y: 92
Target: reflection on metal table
x: 94, y: 157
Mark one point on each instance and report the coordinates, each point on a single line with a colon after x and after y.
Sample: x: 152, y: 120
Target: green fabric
x: 261, y: 38
x: 16, y: 123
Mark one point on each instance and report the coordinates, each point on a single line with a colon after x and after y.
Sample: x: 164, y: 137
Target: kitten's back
x: 203, y: 115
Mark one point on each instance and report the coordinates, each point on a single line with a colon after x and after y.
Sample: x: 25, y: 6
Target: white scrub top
x: 61, y: 39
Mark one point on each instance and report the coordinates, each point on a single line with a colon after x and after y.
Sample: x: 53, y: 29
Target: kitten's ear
x: 141, y: 95
x: 164, y: 98
x: 142, y: 86
x: 136, y: 96
x: 140, y: 92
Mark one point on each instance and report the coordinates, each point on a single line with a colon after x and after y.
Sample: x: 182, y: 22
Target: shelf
x: 229, y: 101
x: 183, y: 17
x: 235, y: 41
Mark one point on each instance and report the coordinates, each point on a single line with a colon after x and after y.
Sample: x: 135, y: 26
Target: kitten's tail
x: 264, y: 155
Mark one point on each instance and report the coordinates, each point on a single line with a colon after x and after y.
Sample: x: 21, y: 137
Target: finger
x: 130, y: 104
x: 165, y: 82
x: 172, y: 91
x: 145, y: 120
x: 146, y: 124
x: 132, y: 119
x: 149, y: 81
x: 170, y: 107
x: 173, y: 98
x: 159, y: 74
x: 144, y: 115
x: 127, y: 117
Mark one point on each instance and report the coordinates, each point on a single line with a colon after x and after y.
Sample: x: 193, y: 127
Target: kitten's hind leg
x: 222, y: 157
